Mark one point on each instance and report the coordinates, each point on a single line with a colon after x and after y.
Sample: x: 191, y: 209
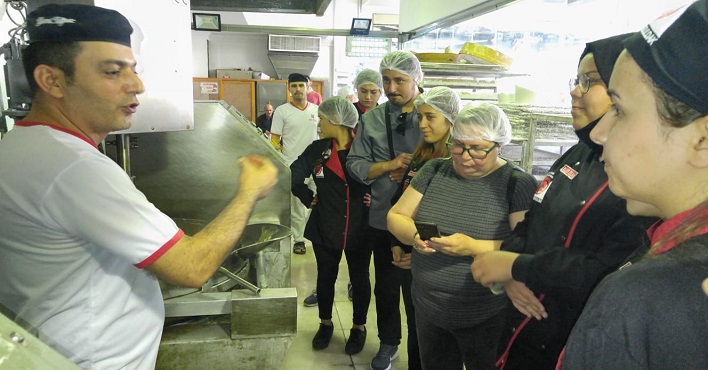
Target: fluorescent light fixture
x: 206, y: 22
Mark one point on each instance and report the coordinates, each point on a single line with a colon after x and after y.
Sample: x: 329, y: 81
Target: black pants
x: 327, y: 271
x: 413, y: 351
x: 476, y: 346
x: 538, y: 344
x: 386, y: 288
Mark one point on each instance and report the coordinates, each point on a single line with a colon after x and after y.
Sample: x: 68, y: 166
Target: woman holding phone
x: 654, y: 313
x: 458, y: 320
x: 437, y: 109
x: 575, y: 233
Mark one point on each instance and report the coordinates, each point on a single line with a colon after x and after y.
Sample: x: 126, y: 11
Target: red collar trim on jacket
x: 334, y: 164
x: 360, y: 107
x: 661, y: 229
x: 55, y: 127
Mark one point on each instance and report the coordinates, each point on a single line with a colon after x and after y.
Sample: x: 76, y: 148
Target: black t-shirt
x: 264, y: 123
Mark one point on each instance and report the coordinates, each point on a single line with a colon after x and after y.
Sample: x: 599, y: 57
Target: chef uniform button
x: 582, y: 203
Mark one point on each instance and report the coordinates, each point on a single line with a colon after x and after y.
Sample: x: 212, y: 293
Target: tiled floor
x: 301, y: 356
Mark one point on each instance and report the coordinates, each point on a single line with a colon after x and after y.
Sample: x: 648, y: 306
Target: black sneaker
x: 382, y: 360
x: 323, y: 336
x: 311, y: 299
x: 299, y: 248
x: 356, y: 341
x: 350, y: 292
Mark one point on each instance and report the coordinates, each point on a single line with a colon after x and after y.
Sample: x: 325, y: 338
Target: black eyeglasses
x: 402, y: 124
x: 476, y: 153
x: 584, y: 81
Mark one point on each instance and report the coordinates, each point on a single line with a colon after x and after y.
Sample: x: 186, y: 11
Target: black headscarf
x: 605, y: 52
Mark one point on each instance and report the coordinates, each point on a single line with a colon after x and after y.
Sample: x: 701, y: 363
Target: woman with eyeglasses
x: 458, y: 321
x: 575, y: 233
x: 437, y: 109
x: 654, y: 313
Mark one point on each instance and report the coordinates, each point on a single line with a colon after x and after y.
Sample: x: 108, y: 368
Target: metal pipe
x: 123, y: 152
x: 241, y: 281
x: 261, y: 275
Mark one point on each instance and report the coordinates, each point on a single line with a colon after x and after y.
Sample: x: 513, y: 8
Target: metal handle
x: 241, y: 281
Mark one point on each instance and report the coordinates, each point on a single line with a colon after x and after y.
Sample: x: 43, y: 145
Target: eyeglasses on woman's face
x: 583, y: 81
x: 474, y: 152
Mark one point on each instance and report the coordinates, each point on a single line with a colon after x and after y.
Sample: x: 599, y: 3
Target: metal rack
x: 471, y: 81
x: 534, y: 140
x: 533, y: 127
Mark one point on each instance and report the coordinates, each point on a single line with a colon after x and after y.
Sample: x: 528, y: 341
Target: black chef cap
x: 605, y: 52
x: 296, y: 77
x: 76, y: 22
x: 673, y: 51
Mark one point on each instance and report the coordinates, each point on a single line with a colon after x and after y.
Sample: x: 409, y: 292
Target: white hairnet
x: 345, y: 91
x: 368, y: 76
x: 482, y: 122
x: 339, y: 111
x: 443, y: 100
x: 403, y: 61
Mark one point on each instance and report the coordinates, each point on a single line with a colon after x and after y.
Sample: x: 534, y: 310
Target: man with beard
x: 381, y: 152
x: 296, y: 124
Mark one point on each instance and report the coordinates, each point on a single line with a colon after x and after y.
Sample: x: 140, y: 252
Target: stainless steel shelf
x: 466, y: 69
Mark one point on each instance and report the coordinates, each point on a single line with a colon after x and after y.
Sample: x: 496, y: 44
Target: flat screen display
x: 360, y: 26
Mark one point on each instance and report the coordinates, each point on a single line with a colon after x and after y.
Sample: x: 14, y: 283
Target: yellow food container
x: 438, y: 57
x: 486, y: 53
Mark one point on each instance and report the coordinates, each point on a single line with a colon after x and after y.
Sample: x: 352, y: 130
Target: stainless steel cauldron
x: 254, y: 239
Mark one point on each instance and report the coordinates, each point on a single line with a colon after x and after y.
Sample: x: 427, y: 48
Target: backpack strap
x: 511, y: 185
x: 389, y: 133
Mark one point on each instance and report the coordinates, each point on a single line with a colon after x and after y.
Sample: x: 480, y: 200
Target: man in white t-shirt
x: 80, y: 247
x: 295, y: 124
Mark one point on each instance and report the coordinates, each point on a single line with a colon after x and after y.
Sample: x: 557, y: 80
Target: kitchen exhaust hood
x: 286, y: 63
x: 293, y: 54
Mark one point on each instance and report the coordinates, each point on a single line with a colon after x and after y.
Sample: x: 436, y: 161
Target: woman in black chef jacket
x: 575, y: 233
x: 338, y: 221
x: 653, y: 314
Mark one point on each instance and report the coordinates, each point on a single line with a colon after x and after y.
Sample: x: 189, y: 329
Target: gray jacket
x: 371, y: 146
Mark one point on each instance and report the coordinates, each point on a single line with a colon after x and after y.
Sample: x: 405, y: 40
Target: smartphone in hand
x: 427, y: 230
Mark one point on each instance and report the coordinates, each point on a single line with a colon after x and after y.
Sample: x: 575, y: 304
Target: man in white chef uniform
x: 80, y: 247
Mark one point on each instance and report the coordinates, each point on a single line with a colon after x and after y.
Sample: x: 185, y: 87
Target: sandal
x: 299, y: 248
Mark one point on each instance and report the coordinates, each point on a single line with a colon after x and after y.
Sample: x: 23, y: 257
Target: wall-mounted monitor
x: 360, y: 26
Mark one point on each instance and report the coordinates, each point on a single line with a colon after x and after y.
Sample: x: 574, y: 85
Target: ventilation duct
x: 293, y: 54
x: 294, y: 44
